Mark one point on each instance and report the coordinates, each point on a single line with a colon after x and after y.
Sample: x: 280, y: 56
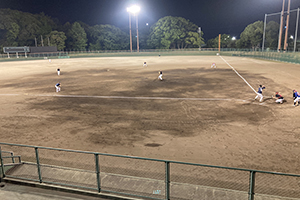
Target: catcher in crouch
x: 279, y: 98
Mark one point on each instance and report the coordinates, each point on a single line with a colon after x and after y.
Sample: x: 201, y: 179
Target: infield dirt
x: 196, y: 114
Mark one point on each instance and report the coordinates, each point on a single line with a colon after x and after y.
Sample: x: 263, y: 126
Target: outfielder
x: 259, y: 93
x: 160, y: 75
x: 58, y: 71
x: 145, y: 64
x: 296, y: 96
x: 57, y: 87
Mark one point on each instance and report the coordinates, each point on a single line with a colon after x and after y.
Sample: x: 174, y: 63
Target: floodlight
x: 134, y: 9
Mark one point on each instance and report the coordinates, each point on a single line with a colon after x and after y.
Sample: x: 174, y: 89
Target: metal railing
x: 144, y: 177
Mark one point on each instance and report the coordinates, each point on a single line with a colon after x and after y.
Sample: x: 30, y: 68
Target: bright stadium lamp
x: 134, y: 10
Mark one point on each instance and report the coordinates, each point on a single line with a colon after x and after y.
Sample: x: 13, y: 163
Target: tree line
x: 25, y: 29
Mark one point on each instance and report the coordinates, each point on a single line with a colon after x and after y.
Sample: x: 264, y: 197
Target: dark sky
x: 213, y: 16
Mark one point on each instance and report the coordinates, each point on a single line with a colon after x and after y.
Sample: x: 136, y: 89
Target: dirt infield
x: 196, y: 114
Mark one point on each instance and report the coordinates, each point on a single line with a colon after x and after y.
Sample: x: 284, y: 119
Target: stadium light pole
x: 134, y: 10
x: 281, y: 24
x: 287, y: 26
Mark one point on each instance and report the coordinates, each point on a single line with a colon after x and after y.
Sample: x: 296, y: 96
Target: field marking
x: 238, y: 74
x: 124, y: 97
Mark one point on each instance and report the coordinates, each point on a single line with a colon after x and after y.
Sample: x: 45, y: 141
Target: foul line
x: 238, y: 74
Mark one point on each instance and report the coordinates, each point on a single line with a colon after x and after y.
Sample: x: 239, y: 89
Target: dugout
x: 16, y: 50
x: 31, y: 51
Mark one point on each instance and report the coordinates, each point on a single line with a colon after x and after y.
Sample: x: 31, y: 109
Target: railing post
x: 251, y: 185
x: 167, y: 181
x: 12, y: 157
x: 2, y: 165
x: 98, y: 172
x: 38, y: 164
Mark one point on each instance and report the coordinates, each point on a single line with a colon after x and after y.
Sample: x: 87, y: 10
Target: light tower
x: 134, y: 10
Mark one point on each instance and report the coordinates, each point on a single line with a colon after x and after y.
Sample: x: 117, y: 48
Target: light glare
x: 134, y: 9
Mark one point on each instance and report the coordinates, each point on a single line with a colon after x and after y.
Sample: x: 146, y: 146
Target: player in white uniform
x: 145, y: 64
x: 259, y: 93
x: 213, y: 65
x: 58, y: 71
x: 160, y: 75
x: 57, y: 87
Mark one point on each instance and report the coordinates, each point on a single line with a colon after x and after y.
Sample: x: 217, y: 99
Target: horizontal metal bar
x: 69, y: 185
x: 11, y: 156
x: 133, y: 195
x: 27, y: 179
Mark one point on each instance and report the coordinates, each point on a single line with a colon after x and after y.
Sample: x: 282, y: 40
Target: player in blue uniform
x: 259, y: 93
x: 296, y: 96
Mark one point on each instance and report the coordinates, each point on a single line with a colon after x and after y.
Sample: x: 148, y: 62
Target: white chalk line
x: 238, y: 74
x: 125, y: 97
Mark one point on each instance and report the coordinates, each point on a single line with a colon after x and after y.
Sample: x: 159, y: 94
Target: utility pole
x: 287, y: 26
x: 42, y: 41
x: 281, y: 24
x: 199, y: 37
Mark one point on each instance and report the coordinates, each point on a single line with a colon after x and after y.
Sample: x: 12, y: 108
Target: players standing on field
x: 58, y: 71
x: 160, y: 75
x: 259, y: 93
x: 145, y: 64
x: 296, y: 96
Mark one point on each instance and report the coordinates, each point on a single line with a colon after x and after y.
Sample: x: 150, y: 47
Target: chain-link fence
x: 291, y: 57
x: 142, y: 177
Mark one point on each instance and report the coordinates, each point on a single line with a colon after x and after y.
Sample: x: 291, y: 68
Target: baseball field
x: 196, y: 114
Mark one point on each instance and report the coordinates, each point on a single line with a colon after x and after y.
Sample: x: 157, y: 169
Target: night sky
x: 213, y: 16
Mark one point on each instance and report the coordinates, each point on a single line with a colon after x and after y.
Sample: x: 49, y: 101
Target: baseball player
x: 58, y: 71
x: 160, y: 75
x: 213, y: 65
x: 57, y: 87
x: 259, y: 93
x: 145, y: 64
x: 296, y: 96
x: 278, y: 97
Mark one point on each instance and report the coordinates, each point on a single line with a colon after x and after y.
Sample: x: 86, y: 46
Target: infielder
x: 259, y: 93
x: 57, y: 87
x: 296, y: 96
x: 145, y: 64
x: 58, y: 71
x: 160, y: 75
x: 278, y: 97
x: 213, y: 65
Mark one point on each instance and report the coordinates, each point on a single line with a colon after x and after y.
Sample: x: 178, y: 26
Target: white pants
x: 57, y: 88
x: 58, y: 73
x: 297, y: 100
x: 260, y: 96
x: 144, y: 65
x: 160, y: 77
x: 213, y: 66
x: 279, y: 101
